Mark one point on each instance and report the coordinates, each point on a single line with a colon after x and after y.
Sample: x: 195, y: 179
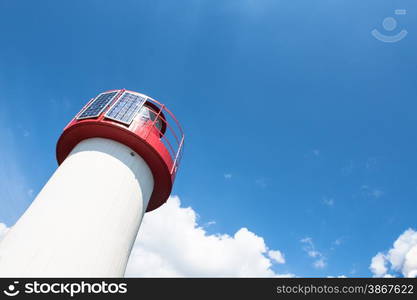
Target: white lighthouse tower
x: 117, y: 159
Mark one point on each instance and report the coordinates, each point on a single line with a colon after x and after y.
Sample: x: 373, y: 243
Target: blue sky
x: 311, y: 116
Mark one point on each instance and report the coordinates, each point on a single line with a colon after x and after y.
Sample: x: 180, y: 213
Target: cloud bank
x: 400, y: 259
x: 171, y: 243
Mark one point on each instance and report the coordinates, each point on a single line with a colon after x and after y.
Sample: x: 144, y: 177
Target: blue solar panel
x: 125, y: 109
x: 97, y: 106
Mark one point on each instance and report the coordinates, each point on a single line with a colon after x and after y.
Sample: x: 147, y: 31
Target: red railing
x: 173, y: 137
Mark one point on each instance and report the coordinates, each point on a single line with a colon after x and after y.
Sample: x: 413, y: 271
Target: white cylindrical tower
x: 84, y: 221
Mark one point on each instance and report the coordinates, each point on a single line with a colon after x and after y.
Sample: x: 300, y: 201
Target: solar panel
x: 97, y: 106
x: 124, y: 110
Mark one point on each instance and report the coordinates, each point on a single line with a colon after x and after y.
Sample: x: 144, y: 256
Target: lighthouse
x: 118, y: 158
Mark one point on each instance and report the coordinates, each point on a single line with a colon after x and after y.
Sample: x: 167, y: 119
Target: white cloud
x: 209, y: 223
x: 338, y: 242
x: 378, y: 265
x: 320, y: 263
x: 376, y: 193
x: 277, y: 256
x: 328, y: 201
x: 401, y: 258
x: 310, y: 249
x: 3, y: 230
x: 372, y: 192
x: 313, y: 253
x: 171, y: 243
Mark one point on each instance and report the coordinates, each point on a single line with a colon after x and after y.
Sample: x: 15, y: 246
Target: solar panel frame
x: 80, y: 115
x: 133, y: 113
